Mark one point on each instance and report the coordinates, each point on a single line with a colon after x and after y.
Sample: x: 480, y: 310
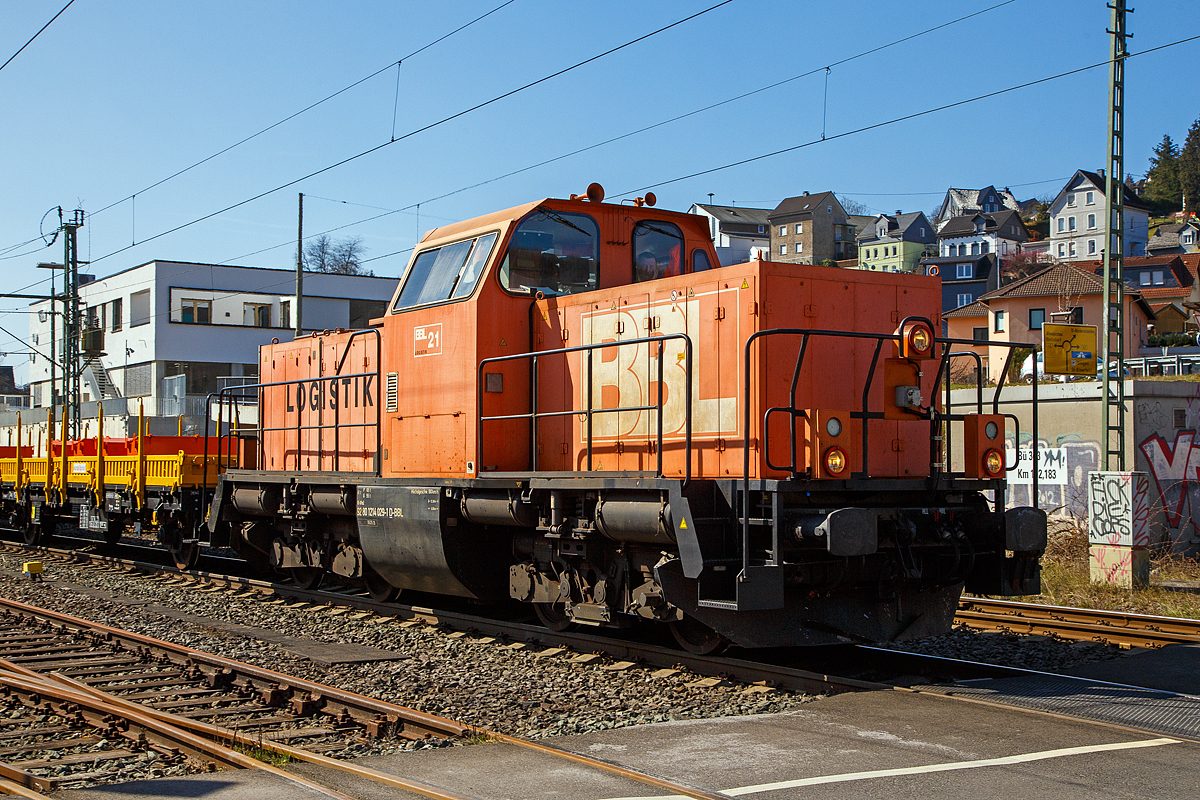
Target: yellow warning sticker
x: 683, y: 525
x: 745, y: 283
x: 614, y: 306
x: 503, y: 343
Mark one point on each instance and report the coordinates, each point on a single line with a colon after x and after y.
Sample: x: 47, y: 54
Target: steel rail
x: 217, y: 734
x: 1081, y: 624
x: 368, y: 708
x: 32, y: 683
x: 738, y: 669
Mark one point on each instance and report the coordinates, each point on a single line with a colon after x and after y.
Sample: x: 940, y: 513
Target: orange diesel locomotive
x: 570, y: 403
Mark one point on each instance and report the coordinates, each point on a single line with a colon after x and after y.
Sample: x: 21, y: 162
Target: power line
x: 39, y: 33
x: 303, y: 110
x: 896, y: 120
x: 621, y: 136
x: 414, y: 132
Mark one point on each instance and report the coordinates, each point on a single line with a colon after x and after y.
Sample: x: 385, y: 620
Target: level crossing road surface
x: 889, y: 745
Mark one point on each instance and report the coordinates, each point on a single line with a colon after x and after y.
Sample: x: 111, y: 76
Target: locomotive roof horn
x: 595, y: 194
x: 649, y: 200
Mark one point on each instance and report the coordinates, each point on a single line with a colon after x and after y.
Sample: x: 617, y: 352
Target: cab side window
x: 554, y: 253
x: 657, y: 250
x: 700, y: 261
x: 445, y: 273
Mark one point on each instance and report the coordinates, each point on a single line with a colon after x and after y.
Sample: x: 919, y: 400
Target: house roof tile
x: 976, y: 309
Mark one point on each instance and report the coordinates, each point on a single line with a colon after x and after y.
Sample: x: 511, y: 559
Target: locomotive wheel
x: 307, y: 577
x: 114, y: 530
x: 696, y: 637
x: 31, y: 533
x: 553, y: 616
x: 379, y: 589
x: 186, y: 555
x: 40, y: 532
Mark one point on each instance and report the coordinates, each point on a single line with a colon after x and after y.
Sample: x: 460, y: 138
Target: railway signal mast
x: 1113, y: 408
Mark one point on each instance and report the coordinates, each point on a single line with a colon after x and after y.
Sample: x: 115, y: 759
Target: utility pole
x: 72, y: 328
x: 300, y: 266
x: 1113, y: 408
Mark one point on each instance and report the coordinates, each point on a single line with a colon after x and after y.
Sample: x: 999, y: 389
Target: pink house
x: 1059, y: 293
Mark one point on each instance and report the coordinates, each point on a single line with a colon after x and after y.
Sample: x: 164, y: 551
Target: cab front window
x: 554, y: 253
x: 657, y: 250
x: 444, y: 273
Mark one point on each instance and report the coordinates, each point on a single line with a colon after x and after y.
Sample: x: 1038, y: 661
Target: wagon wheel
x: 114, y: 530
x: 40, y: 533
x: 308, y: 578
x: 696, y: 637
x: 553, y: 616
x: 378, y: 587
x: 186, y: 554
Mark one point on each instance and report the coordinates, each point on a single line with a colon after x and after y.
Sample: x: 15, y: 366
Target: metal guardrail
x: 590, y: 410
x: 1163, y: 365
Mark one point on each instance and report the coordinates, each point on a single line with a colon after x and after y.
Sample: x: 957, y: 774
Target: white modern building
x: 734, y: 230
x: 202, y: 321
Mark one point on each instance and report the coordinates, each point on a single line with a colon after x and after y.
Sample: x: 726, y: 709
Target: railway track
x: 1080, y: 624
x: 73, y: 683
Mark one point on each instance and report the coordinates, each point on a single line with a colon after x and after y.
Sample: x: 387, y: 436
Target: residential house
x: 1058, y: 293
x: 964, y: 278
x: 1155, y: 276
x: 1174, y: 239
x: 203, y: 321
x: 967, y: 322
x: 1078, y: 228
x: 895, y: 243
x: 810, y: 229
x: 734, y: 230
x: 989, y: 200
x: 1172, y: 317
x: 1001, y: 232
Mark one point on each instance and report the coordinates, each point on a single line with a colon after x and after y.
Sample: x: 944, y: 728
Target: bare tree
x: 854, y: 208
x: 337, y: 256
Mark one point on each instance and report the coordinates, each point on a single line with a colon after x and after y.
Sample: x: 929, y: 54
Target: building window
x: 196, y: 311
x: 761, y: 228
x: 1091, y: 198
x: 1071, y: 224
x: 1158, y: 277
x: 875, y: 252
x: 285, y: 313
x: 922, y: 233
x: 828, y: 209
x: 1091, y: 247
x: 1186, y: 238
x: 1072, y: 249
x: 783, y: 230
x: 1144, y: 279
x: 1037, y: 316
x: 962, y: 249
x: 964, y: 299
x: 979, y: 334
x: 256, y: 315
x: 783, y: 249
x: 1071, y: 200
x: 882, y: 231
x: 999, y: 322
x: 1091, y: 221
x: 893, y: 249
x: 799, y: 228
x: 139, y: 308
x: 799, y: 247
x: 974, y: 248
x: 983, y: 247
x: 1062, y: 224
x: 115, y: 314
x: 964, y: 271
x: 1062, y: 250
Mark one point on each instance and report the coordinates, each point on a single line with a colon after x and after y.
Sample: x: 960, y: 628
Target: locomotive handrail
x: 534, y: 415
x: 935, y: 417
x: 229, y: 394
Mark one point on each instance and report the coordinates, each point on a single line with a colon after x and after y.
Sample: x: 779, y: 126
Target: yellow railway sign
x: 1069, y: 349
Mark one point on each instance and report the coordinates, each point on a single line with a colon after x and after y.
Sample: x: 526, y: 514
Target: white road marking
x: 946, y: 767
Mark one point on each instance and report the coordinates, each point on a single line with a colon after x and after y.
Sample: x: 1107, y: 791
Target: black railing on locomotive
x: 939, y: 420
x: 590, y: 410
x: 230, y: 394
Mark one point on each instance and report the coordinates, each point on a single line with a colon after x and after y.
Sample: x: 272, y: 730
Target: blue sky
x: 114, y: 97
